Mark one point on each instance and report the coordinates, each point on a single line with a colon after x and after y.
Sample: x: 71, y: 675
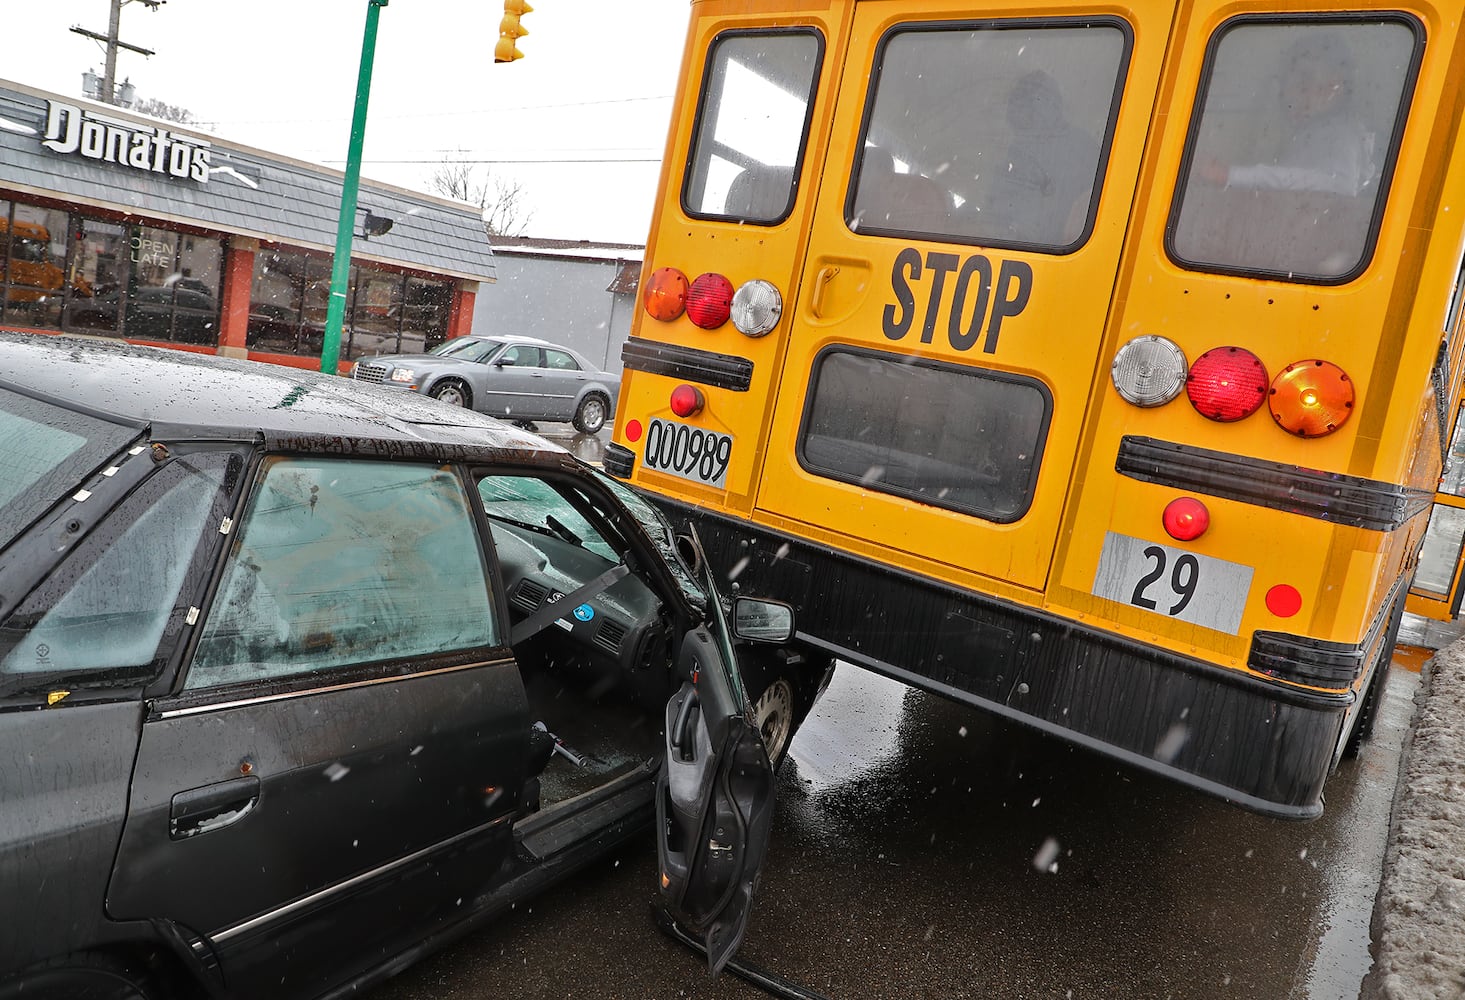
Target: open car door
x: 714, y: 800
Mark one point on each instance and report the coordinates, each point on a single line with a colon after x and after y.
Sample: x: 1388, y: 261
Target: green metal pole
x: 330, y: 351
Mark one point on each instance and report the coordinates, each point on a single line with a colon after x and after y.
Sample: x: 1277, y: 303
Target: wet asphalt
x: 925, y: 850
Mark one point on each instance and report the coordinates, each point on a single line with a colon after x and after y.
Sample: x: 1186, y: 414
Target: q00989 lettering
x: 688, y: 452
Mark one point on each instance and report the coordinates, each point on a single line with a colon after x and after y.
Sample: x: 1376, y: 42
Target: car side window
x: 534, y: 503
x: 343, y: 562
x: 520, y: 356
x: 104, y: 614
x: 559, y: 360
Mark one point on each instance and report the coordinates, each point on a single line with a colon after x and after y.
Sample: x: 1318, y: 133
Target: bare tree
x: 168, y: 112
x: 501, y: 199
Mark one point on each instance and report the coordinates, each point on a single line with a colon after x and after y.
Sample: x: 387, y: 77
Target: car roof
x: 519, y: 338
x: 185, y: 395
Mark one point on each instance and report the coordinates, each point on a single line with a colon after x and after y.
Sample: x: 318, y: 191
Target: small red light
x: 709, y: 300
x: 633, y: 430
x: 1284, y: 601
x: 1186, y: 519
x: 686, y: 400
x: 1227, y: 383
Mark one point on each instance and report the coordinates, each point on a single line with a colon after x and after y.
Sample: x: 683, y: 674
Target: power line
x: 443, y: 114
x: 441, y: 162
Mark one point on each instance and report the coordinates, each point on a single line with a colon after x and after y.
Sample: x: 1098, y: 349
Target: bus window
x: 1289, y: 155
x: 993, y: 134
x: 750, y: 131
x: 949, y: 436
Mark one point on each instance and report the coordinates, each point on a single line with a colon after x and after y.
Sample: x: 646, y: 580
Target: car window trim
x: 199, y: 701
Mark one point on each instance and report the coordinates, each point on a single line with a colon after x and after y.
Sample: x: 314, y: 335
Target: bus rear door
x: 962, y: 256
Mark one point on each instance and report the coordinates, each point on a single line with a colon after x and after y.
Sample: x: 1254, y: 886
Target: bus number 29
x: 1183, y: 577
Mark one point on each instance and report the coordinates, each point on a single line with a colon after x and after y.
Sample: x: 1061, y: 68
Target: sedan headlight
x: 403, y: 375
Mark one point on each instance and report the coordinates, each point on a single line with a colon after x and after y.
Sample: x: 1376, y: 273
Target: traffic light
x: 510, y: 31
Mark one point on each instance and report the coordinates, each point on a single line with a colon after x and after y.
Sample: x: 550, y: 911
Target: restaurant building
x: 121, y: 226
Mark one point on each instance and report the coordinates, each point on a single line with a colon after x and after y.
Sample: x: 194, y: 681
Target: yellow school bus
x: 1093, y: 364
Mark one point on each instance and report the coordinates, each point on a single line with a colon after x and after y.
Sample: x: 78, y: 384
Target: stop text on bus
x: 993, y: 301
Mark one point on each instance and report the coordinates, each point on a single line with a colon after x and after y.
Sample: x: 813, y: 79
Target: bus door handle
x: 826, y: 274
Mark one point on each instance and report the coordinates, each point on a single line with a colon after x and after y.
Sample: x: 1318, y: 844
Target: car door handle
x: 212, y: 807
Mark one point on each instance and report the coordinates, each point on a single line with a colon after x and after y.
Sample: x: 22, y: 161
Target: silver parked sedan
x: 522, y: 379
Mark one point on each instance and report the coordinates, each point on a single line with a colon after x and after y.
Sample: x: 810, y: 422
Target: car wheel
x: 590, y: 417
x: 88, y: 976
x: 452, y: 392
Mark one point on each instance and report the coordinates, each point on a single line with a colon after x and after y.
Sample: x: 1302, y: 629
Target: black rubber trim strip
x: 1328, y: 496
x: 766, y: 981
x: 1316, y: 661
x: 619, y: 461
x: 721, y: 371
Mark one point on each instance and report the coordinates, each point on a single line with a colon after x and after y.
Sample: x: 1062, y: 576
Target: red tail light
x: 709, y: 301
x: 687, y: 400
x: 1186, y: 519
x: 1227, y: 383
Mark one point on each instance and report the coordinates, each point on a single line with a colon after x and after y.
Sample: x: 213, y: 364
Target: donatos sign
x: 70, y: 129
x: 978, y: 303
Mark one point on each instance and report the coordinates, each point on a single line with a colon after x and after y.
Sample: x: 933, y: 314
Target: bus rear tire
x: 1367, y: 712
x: 1373, y: 695
x: 782, y: 686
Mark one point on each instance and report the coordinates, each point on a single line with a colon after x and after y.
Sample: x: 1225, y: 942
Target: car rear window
x: 45, y: 452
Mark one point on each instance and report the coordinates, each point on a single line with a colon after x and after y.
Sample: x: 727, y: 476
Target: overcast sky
x: 580, y: 122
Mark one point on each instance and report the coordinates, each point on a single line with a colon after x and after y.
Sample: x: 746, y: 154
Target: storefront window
x: 376, y: 315
x: 425, y: 314
x: 386, y: 312
x: 275, y: 301
x: 196, y: 293
x: 173, y: 294
x: 34, y: 274
x: 317, y: 303
x: 96, y: 274
x: 68, y: 272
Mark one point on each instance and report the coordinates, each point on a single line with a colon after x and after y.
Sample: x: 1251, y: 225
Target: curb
x: 1418, y: 924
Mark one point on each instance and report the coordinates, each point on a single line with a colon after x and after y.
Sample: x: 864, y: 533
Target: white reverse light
x: 1149, y: 371
x: 756, y: 307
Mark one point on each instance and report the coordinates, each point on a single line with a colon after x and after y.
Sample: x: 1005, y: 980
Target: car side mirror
x: 762, y: 621
x: 502, y: 362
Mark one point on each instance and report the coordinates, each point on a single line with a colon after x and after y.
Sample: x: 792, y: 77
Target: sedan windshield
x: 466, y: 348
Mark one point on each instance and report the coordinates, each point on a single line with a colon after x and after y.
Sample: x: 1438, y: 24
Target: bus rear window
x: 990, y: 133
x: 961, y: 438
x: 757, y: 96
x: 1292, y: 146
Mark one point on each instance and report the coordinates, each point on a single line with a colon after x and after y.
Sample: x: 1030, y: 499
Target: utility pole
x: 111, y: 42
x: 330, y: 349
